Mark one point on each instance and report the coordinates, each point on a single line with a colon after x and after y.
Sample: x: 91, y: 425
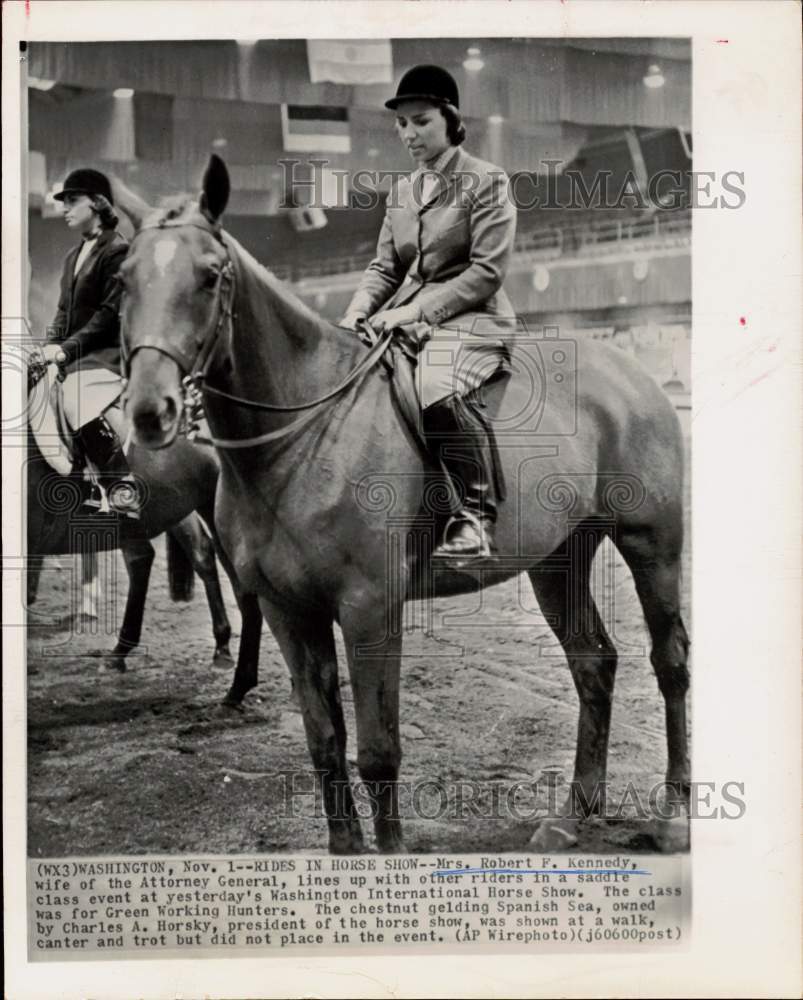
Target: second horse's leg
x: 246, y: 673
x: 90, y: 586
x: 138, y: 556
x: 200, y: 550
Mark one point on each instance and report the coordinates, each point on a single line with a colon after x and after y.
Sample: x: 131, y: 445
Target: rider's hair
x: 455, y: 129
x: 106, y: 214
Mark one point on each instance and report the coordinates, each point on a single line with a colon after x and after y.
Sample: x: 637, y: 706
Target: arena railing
x: 550, y: 242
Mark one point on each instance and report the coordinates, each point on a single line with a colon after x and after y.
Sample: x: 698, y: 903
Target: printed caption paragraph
x: 144, y: 907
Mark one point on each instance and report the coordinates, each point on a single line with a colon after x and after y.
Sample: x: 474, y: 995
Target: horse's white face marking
x: 163, y: 252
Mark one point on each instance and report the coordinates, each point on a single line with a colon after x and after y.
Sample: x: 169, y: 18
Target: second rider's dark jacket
x: 87, y: 323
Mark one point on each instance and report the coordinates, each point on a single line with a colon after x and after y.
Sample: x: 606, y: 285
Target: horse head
x: 174, y: 300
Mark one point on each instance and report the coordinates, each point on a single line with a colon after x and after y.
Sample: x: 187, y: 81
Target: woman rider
x: 441, y: 258
x: 87, y: 326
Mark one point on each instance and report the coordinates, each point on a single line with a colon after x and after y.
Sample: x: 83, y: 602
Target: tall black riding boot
x: 102, y: 447
x: 463, y: 446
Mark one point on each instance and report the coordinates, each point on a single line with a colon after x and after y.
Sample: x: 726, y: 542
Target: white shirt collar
x: 438, y: 165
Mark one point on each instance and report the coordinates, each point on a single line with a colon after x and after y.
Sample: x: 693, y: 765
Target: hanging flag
x: 361, y: 60
x: 310, y: 128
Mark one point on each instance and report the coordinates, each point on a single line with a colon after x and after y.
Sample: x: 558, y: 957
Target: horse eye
x: 210, y: 278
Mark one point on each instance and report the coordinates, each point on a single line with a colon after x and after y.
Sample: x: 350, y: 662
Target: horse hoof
x: 672, y: 835
x: 554, y: 835
x: 351, y: 844
x: 116, y: 664
x: 222, y: 658
x: 396, y: 847
x: 233, y: 701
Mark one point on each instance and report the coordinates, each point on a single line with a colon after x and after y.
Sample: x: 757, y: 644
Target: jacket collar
x: 446, y: 168
x: 105, y: 236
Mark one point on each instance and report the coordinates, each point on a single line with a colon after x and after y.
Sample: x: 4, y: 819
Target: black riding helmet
x: 86, y: 181
x: 426, y: 83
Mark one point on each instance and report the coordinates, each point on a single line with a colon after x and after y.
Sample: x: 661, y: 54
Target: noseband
x: 194, y: 371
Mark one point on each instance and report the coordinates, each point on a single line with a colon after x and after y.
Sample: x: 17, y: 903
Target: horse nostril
x: 152, y: 421
x: 170, y: 411
x: 147, y: 422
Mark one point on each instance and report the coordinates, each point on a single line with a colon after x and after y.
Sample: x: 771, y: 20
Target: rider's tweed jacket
x: 448, y: 253
x: 87, y: 323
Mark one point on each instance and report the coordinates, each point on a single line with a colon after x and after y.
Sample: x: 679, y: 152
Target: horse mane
x: 185, y: 208
x: 285, y: 301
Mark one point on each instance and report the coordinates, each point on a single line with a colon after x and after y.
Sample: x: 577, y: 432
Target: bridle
x: 195, y: 370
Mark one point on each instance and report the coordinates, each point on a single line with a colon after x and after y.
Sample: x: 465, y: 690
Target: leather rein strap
x: 195, y: 384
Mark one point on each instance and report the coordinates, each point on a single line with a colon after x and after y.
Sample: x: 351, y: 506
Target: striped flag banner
x: 360, y: 60
x: 310, y: 128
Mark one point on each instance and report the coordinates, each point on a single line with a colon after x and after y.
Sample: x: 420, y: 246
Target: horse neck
x: 281, y: 352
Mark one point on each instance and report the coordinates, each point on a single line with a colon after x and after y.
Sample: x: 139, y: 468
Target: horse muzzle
x: 153, y: 398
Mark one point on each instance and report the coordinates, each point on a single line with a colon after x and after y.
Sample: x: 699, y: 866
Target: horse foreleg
x: 200, y: 550
x: 138, y: 556
x: 374, y: 648
x: 568, y: 605
x: 246, y: 673
x: 308, y: 645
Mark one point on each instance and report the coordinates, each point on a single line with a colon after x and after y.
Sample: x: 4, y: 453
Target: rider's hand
x: 389, y: 319
x: 351, y: 320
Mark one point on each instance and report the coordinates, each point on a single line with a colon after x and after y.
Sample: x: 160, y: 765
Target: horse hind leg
x: 653, y: 557
x: 562, y: 589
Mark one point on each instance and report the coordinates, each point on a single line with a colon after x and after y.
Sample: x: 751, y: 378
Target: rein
x: 195, y: 385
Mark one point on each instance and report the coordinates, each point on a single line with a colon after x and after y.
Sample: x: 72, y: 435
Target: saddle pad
x: 88, y: 393
x: 44, y: 425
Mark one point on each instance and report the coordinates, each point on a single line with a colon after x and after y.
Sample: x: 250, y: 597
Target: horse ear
x: 216, y: 188
x: 136, y: 208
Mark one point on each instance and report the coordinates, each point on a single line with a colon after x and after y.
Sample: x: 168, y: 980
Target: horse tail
x: 180, y: 573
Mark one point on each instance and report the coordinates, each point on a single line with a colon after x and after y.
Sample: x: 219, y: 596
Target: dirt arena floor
x: 148, y: 761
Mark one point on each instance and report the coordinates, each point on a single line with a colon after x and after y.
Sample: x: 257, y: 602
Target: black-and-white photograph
x: 379, y: 349
x: 362, y: 383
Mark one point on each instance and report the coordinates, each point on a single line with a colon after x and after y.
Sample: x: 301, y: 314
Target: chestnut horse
x: 328, y: 507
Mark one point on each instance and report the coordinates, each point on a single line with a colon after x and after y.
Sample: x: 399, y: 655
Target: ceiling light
x: 654, y: 77
x: 473, y: 63
x: 220, y: 142
x: 495, y: 119
x: 39, y: 83
x: 247, y: 43
x: 122, y: 93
